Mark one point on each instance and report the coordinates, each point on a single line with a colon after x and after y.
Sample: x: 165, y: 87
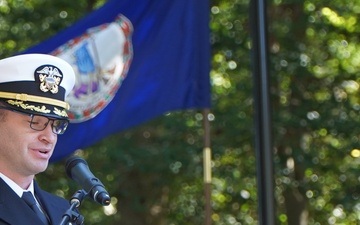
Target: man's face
x: 23, y: 151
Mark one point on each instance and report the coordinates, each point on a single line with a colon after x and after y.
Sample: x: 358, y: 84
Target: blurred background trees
x: 154, y: 171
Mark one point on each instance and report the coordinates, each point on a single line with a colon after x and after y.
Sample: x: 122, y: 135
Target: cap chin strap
x: 33, y: 98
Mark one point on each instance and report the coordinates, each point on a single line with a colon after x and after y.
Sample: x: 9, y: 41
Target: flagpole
x: 263, y: 143
x: 207, y: 166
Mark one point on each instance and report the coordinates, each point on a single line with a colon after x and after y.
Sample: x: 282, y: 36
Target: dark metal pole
x: 263, y: 143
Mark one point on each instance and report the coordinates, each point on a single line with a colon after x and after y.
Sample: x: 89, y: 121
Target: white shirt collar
x: 15, y: 187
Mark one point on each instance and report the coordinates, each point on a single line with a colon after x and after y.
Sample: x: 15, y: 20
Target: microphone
x: 78, y: 170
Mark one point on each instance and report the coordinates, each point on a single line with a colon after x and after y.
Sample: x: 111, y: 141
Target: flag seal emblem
x: 101, y: 58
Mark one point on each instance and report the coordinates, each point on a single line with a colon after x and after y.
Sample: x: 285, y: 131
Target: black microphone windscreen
x: 71, y: 162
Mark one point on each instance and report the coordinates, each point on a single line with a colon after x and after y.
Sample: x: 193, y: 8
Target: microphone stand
x: 71, y: 215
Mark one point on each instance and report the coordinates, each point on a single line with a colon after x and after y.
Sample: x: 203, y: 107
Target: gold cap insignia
x: 50, y: 77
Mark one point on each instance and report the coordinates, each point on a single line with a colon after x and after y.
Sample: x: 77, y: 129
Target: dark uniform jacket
x: 14, y: 211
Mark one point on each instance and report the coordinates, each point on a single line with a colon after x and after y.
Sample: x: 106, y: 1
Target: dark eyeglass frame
x: 54, y: 129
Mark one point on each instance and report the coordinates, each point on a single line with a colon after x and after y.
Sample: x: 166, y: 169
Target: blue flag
x: 164, y: 66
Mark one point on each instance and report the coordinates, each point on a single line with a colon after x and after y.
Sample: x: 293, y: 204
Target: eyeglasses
x: 39, y: 123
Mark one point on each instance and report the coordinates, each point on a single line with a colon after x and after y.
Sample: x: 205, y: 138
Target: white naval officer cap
x: 36, y: 84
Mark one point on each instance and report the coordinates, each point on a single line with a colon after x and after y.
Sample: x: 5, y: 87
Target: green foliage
x: 25, y: 23
x: 154, y: 171
x: 315, y: 70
